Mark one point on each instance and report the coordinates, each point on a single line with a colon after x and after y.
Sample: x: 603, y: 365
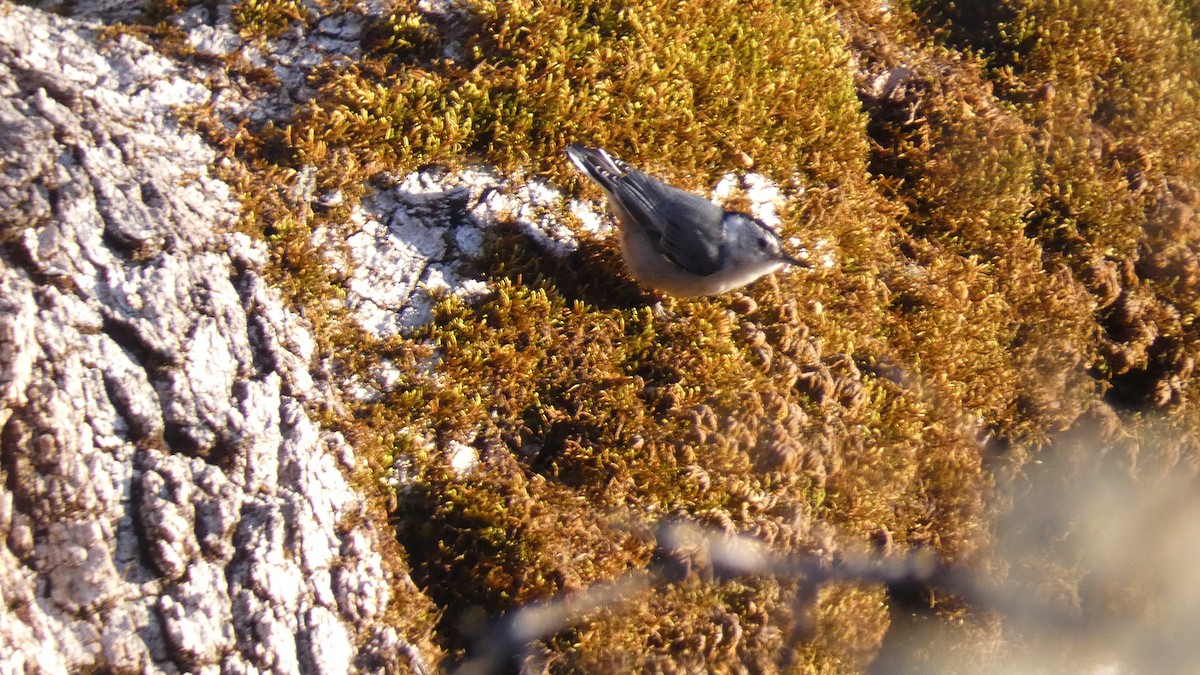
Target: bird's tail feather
x: 596, y: 164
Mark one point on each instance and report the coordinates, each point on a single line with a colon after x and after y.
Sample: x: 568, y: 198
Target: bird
x: 678, y: 242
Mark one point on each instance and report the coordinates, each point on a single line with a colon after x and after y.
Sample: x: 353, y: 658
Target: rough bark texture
x: 167, y: 503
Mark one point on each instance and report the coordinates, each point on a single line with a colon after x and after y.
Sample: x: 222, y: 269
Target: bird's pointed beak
x: 795, y: 261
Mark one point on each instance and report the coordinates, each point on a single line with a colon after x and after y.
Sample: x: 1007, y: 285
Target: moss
x: 726, y: 627
x: 499, y: 540
x: 697, y: 410
x: 1011, y: 226
x: 269, y: 18
x: 708, y: 81
x: 1110, y: 95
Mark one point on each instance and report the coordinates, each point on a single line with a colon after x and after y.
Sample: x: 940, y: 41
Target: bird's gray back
x: 689, y: 228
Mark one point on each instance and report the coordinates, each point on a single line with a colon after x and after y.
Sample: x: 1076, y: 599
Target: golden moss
x: 706, y: 80
x: 268, y: 18
x: 1110, y: 94
x: 1009, y: 209
x: 727, y: 627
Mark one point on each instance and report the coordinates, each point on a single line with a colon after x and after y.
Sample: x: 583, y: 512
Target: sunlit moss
x: 1110, y: 95
x: 268, y: 17
x: 706, y: 80
x: 1010, y: 234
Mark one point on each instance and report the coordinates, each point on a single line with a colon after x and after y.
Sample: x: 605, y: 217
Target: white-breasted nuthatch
x: 676, y: 241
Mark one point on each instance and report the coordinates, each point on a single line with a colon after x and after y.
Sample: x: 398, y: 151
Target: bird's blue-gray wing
x: 686, y: 228
x: 690, y: 228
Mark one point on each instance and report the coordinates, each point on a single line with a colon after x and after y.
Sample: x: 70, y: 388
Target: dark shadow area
x: 593, y: 273
x: 974, y: 26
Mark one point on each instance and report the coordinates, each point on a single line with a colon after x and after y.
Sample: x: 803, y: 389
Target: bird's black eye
x: 762, y: 242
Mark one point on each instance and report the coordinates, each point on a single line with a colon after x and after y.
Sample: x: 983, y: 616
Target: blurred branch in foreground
x: 1092, y: 569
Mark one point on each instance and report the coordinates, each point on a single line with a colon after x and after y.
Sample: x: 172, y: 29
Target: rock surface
x: 167, y: 502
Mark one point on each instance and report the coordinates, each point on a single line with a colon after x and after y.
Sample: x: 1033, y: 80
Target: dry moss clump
x: 707, y: 81
x: 269, y: 17
x: 1110, y: 93
x: 725, y: 412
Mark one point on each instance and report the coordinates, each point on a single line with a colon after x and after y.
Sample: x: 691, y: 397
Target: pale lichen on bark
x: 167, y: 501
